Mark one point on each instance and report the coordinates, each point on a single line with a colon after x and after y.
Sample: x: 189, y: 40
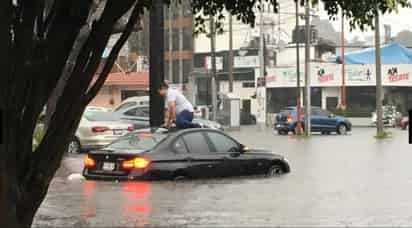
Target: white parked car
x: 132, y: 101
x: 97, y: 129
x: 97, y: 109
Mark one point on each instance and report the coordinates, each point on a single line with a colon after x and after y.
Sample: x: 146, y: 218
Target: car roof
x: 136, y: 99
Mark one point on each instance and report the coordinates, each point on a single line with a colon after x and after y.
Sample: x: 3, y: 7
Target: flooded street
x: 352, y: 180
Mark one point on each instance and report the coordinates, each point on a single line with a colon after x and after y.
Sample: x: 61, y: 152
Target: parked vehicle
x: 133, y: 101
x: 191, y: 153
x: 405, y: 123
x: 390, y: 116
x: 139, y: 116
x: 97, y: 129
x: 97, y: 109
x: 321, y: 121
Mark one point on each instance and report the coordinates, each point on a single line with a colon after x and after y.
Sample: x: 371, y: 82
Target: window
x: 131, y: 112
x: 248, y: 84
x: 100, y: 116
x: 143, y: 112
x: 125, y: 105
x: 136, y: 141
x: 222, y: 143
x: 179, y: 146
x: 316, y: 112
x: 196, y: 142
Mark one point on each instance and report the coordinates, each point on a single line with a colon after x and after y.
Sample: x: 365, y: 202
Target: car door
x: 234, y: 163
x: 201, y: 161
x: 316, y: 120
x: 329, y: 122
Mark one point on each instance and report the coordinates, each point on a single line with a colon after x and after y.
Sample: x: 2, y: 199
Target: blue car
x: 322, y: 121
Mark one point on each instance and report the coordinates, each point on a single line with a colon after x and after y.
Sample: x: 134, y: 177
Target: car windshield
x: 100, y: 116
x: 136, y: 141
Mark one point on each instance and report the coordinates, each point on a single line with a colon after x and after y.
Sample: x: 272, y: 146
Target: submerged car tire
x: 180, y: 175
x: 74, y: 147
x: 342, y: 129
x: 275, y: 170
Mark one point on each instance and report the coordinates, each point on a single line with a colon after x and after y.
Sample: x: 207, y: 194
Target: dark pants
x: 184, y: 120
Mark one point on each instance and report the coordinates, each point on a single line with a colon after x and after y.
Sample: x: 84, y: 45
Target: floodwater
x: 353, y: 180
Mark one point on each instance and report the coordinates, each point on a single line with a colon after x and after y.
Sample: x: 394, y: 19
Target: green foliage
x: 359, y: 12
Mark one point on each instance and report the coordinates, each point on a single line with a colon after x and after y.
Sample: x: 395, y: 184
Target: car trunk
x: 110, y: 164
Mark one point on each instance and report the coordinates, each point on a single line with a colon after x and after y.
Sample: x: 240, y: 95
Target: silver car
x: 97, y: 129
x: 139, y: 116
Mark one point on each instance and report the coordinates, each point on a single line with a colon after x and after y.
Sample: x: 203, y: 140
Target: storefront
x: 326, y: 83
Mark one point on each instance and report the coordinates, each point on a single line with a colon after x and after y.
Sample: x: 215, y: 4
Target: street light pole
x: 307, y: 71
x: 379, y: 97
x: 298, y: 95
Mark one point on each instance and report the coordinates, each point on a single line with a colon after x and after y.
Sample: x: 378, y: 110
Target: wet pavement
x: 353, y: 180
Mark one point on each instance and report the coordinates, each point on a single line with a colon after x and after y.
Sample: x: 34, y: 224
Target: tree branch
x: 114, y: 53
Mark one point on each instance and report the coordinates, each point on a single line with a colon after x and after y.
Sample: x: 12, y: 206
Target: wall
x: 242, y: 93
x: 109, y: 94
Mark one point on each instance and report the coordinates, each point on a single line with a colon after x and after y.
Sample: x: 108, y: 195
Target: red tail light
x: 136, y: 163
x: 89, y: 162
x: 290, y: 118
x: 99, y: 129
x: 130, y: 128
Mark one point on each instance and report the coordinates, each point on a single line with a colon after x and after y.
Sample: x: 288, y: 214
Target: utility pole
x: 307, y: 71
x: 170, y: 48
x: 230, y: 53
x: 181, y: 9
x: 213, y: 60
x: 298, y: 91
x: 379, y: 97
x: 343, y: 89
x: 261, y: 62
x: 156, y: 70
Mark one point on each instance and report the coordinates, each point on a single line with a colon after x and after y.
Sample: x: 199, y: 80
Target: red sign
x: 323, y: 77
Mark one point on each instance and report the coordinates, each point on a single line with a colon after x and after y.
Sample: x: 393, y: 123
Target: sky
x: 398, y: 22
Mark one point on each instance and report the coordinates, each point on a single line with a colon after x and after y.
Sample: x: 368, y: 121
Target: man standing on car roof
x: 177, y: 106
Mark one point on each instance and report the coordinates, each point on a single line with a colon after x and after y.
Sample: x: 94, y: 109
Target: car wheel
x: 275, y: 170
x: 180, y: 176
x: 74, y: 147
x: 342, y: 129
x: 282, y: 132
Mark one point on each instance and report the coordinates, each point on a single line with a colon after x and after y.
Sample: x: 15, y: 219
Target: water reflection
x: 89, y: 204
x: 136, y: 202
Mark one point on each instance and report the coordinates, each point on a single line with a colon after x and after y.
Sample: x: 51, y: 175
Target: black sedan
x: 192, y: 153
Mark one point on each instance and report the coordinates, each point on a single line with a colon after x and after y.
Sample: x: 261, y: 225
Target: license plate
x: 109, y: 166
x: 118, y: 132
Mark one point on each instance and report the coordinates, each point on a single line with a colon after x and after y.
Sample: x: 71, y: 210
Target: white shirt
x: 181, y: 102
